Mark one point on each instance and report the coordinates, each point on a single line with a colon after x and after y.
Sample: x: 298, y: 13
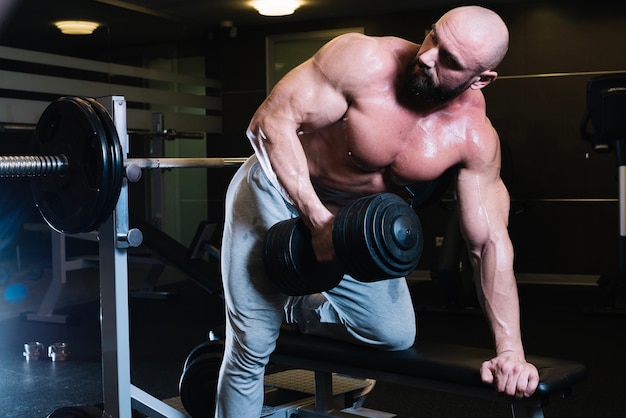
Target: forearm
x: 497, y: 290
x: 283, y: 159
x: 484, y: 209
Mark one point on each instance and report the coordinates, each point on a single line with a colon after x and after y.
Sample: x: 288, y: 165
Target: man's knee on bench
x: 315, y: 315
x: 380, y: 336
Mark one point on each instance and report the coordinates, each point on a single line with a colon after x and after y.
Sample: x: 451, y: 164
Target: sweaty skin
x: 347, y: 119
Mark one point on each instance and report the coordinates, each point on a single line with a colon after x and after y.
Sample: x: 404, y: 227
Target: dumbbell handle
x: 51, y: 165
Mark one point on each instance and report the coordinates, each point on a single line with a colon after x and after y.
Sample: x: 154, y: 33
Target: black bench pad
x: 449, y: 364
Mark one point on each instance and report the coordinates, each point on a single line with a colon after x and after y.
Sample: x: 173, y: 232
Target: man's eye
x: 450, y: 62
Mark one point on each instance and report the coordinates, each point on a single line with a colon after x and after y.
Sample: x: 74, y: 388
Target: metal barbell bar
x: 155, y: 163
x: 49, y: 165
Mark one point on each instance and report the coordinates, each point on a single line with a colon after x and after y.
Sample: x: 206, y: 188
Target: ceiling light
x: 276, y: 7
x: 76, y: 27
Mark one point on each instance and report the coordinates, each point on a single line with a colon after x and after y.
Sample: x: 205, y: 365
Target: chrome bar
x: 33, y: 165
x: 154, y: 163
x: 51, y: 165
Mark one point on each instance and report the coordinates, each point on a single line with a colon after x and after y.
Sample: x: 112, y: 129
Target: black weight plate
x: 105, y: 209
x: 290, y: 262
x: 313, y: 276
x: 395, y: 236
x: 399, y: 239
x: 198, y: 385
x: 102, y: 210
x: 350, y: 239
x: 77, y: 412
x: 373, y: 234
x: 363, y: 235
x: 206, y: 347
x: 114, y: 172
x: 73, y: 202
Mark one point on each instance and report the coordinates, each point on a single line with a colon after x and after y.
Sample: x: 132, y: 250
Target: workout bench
x: 441, y: 367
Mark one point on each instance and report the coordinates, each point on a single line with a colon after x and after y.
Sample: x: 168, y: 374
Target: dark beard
x: 424, y: 88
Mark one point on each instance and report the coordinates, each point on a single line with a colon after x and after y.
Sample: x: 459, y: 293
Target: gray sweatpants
x: 378, y: 314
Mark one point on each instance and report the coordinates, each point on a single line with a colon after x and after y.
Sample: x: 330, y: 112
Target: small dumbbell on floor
x: 375, y: 238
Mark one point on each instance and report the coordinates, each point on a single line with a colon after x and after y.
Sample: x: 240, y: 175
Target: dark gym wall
x: 564, y: 217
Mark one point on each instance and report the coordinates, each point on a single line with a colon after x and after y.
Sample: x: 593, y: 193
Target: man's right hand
x: 511, y: 374
x: 322, y: 239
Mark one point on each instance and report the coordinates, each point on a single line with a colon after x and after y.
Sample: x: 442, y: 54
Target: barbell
x: 77, y: 166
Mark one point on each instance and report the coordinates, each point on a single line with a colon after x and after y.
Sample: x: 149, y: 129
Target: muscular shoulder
x: 354, y: 58
x: 482, y: 144
x: 360, y: 46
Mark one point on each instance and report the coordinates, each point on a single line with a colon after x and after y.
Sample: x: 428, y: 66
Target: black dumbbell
x: 375, y: 238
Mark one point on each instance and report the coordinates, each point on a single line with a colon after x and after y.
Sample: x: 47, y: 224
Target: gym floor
x: 163, y: 331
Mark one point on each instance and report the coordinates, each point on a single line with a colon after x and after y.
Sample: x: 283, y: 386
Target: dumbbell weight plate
x: 290, y: 262
x: 396, y: 235
x: 79, y: 200
x: 378, y: 237
x: 351, y: 245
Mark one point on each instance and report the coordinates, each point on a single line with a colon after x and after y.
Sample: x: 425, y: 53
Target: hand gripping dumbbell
x: 375, y: 238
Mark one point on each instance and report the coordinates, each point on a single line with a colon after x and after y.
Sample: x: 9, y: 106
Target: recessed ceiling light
x: 276, y: 7
x: 76, y: 27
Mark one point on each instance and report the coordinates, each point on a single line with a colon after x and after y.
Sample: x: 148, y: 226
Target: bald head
x: 483, y: 33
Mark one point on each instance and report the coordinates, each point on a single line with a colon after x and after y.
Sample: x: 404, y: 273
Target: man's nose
x: 429, y: 58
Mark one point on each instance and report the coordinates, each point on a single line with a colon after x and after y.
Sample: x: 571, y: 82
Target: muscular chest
x: 411, y: 146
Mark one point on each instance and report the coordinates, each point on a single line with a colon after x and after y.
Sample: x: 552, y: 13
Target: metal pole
x: 50, y: 165
x: 620, y: 297
x: 114, y: 292
x: 155, y: 163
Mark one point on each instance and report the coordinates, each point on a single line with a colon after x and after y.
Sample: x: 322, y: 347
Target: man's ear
x: 483, y: 79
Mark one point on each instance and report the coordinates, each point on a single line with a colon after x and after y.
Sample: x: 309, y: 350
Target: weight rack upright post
x: 120, y: 396
x: 114, y: 310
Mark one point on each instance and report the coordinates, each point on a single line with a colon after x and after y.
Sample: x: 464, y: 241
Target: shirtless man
x: 365, y: 115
